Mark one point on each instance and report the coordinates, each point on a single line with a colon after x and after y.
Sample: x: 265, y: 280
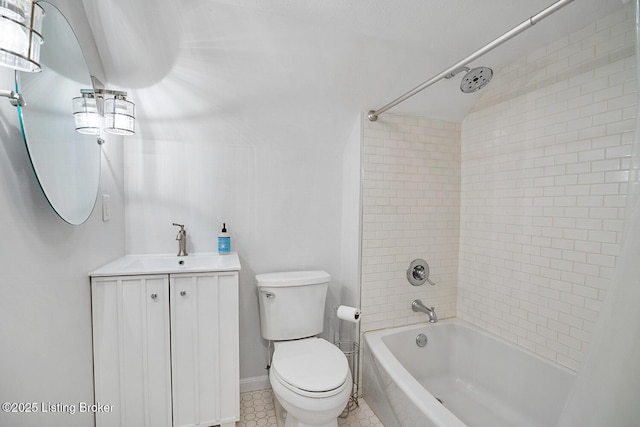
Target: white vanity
x: 165, y: 340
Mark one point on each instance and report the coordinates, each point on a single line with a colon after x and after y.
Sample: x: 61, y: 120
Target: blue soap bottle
x: 224, y: 241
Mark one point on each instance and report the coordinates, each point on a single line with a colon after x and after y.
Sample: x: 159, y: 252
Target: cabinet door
x: 131, y: 350
x: 204, y: 348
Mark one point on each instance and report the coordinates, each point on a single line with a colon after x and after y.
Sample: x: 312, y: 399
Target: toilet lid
x: 311, y: 364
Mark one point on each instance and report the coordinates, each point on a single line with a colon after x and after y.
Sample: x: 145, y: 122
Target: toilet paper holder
x: 418, y: 272
x: 351, y: 350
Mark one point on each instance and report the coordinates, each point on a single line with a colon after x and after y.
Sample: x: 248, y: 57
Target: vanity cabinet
x: 166, y: 349
x: 204, y: 349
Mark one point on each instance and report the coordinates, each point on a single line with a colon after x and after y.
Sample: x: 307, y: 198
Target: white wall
x: 545, y: 159
x: 351, y: 231
x: 45, y: 311
x: 281, y: 201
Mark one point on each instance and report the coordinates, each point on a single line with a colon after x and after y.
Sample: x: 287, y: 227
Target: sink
x: 166, y: 263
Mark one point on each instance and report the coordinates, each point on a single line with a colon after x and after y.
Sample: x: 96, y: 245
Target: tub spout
x: 417, y: 306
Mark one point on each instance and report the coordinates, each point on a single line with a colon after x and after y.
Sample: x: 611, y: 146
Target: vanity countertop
x: 167, y: 263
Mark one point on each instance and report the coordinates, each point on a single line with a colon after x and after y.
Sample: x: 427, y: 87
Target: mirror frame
x: 67, y: 164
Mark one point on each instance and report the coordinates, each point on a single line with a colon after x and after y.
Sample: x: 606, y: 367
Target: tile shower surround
x: 519, y: 210
x: 411, y: 209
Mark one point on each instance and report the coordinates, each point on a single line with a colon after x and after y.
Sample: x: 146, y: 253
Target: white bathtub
x: 481, y: 379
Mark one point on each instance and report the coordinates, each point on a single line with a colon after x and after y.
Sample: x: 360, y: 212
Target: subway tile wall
x: 519, y: 211
x: 411, y: 209
x: 545, y: 159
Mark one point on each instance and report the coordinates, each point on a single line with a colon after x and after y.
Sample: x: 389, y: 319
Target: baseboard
x: 254, y: 383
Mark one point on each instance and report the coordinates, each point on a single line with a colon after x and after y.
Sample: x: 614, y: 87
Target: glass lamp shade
x: 20, y: 38
x: 119, y: 116
x: 85, y: 113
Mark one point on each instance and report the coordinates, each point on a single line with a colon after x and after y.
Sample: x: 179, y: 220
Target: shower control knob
x: 418, y: 272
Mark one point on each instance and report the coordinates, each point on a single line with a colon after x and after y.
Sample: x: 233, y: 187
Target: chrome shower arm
x: 453, y: 73
x: 373, y: 114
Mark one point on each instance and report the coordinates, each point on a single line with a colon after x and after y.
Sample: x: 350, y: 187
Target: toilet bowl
x: 311, y: 380
x: 309, y: 376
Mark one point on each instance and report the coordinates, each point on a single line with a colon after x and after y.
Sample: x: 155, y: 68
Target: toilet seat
x: 311, y: 367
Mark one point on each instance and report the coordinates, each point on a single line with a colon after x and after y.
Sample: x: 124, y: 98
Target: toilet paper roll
x: 350, y: 314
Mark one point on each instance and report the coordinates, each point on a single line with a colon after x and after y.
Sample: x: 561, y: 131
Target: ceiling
x: 305, y: 65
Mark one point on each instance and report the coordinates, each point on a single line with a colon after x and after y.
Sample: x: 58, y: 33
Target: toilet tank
x: 292, y: 304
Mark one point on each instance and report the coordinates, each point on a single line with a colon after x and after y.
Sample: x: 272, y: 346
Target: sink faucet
x: 417, y: 305
x: 182, y: 240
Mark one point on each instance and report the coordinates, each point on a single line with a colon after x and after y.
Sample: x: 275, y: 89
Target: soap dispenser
x: 224, y: 241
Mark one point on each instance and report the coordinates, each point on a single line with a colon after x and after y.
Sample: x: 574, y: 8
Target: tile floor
x: 257, y: 410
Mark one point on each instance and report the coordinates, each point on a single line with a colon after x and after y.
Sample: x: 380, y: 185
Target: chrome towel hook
x: 418, y: 272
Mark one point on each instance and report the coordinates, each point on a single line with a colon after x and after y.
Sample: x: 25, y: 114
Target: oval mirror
x: 66, y: 163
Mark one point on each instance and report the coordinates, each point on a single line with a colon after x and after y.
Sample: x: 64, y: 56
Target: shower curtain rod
x: 373, y: 114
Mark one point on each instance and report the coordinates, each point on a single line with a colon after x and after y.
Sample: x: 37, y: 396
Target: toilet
x: 309, y: 376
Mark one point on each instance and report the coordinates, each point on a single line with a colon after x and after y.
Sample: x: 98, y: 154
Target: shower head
x: 476, y: 79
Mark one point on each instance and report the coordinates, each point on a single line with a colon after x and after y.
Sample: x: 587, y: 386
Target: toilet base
x: 310, y: 408
x: 284, y: 419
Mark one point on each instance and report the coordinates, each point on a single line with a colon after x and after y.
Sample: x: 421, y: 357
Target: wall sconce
x: 85, y: 113
x: 20, y: 39
x: 118, y: 113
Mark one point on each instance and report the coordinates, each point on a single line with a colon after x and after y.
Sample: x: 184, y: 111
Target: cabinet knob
x: 183, y: 293
x: 154, y: 296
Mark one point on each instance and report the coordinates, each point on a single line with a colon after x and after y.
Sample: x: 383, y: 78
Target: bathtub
x: 481, y: 379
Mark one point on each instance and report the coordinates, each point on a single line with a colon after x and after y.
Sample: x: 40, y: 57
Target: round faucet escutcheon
x: 418, y: 272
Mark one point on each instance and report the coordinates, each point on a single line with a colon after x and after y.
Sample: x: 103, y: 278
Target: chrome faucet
x: 417, y: 306
x: 182, y: 240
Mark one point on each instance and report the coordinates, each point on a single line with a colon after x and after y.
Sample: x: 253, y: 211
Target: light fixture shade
x: 85, y: 113
x: 20, y: 34
x: 119, y: 116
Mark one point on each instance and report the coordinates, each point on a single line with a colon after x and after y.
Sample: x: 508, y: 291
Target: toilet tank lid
x: 292, y: 278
